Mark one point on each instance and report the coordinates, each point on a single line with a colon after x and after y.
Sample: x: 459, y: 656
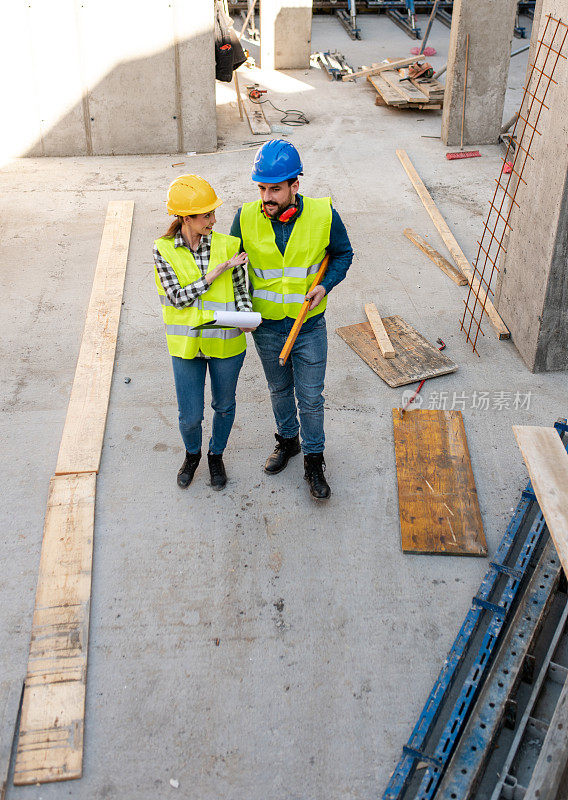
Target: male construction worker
x: 286, y: 237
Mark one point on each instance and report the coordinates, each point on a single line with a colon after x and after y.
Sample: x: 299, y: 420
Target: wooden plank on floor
x: 410, y: 93
x: 255, y: 115
x: 50, y: 744
x: 436, y: 257
x: 415, y: 358
x: 460, y: 260
x: 438, y: 505
x: 547, y: 463
x: 432, y: 89
x: 10, y: 695
x: 382, y: 337
x: 82, y: 439
x: 391, y: 96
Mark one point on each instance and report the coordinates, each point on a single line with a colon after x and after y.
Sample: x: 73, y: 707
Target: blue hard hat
x: 276, y: 161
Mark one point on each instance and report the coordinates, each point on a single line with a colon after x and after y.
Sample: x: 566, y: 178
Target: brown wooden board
x: 410, y: 93
x: 392, y: 97
x: 437, y: 499
x: 83, y: 433
x: 547, y: 463
x: 50, y: 744
x: 415, y: 358
x: 434, y: 90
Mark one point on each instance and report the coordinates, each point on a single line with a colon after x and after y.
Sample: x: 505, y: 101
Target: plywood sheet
x: 415, y: 358
x: 437, y: 498
x: 547, y: 463
x: 82, y: 439
x: 50, y: 745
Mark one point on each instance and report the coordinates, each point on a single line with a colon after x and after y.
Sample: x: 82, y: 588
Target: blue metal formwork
x: 413, y: 752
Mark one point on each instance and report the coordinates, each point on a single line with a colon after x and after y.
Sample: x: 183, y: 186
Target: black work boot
x: 187, y: 471
x: 217, y: 471
x: 314, y: 466
x: 284, y: 450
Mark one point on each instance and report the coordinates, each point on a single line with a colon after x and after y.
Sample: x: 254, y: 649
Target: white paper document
x: 234, y: 319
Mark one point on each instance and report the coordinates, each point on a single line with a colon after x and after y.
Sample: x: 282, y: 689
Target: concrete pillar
x: 100, y: 77
x: 285, y: 34
x: 532, y: 293
x: 490, y: 25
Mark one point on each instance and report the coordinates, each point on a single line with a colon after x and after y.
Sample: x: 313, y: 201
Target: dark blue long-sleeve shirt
x: 339, y: 249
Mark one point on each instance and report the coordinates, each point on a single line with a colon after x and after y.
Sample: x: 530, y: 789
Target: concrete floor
x: 329, y: 638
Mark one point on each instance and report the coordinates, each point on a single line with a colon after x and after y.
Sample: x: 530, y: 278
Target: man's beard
x: 276, y: 210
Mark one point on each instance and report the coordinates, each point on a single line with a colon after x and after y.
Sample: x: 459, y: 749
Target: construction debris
x: 413, y: 87
x: 457, y: 253
x: 477, y: 689
x: 415, y: 358
x: 333, y: 63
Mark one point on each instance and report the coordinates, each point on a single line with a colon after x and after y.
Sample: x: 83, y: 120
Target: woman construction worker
x: 197, y: 272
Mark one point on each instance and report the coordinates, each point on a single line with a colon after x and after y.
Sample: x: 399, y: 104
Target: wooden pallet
x: 419, y: 94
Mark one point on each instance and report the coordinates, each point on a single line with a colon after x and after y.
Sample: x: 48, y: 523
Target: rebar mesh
x: 497, y: 225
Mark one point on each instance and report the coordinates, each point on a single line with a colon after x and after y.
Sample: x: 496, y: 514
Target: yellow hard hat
x: 190, y: 194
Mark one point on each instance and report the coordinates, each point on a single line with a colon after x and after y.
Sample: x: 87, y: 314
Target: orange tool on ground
x: 293, y: 335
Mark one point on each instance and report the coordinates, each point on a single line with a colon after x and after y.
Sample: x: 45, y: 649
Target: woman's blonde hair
x: 175, y: 225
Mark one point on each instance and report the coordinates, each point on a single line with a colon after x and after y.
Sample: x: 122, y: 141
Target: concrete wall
x: 102, y: 77
x: 489, y: 24
x: 532, y: 295
x: 285, y: 34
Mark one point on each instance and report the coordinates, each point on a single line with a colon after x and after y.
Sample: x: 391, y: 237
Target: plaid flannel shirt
x: 181, y: 297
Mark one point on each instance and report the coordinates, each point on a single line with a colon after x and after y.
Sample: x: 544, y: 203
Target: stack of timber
x: 393, y: 90
x: 334, y: 64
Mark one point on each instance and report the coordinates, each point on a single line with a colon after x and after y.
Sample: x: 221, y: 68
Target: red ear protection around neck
x: 285, y: 216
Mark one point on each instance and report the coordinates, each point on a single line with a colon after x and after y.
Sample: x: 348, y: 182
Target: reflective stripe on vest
x: 274, y: 297
x: 279, y: 282
x: 289, y: 272
x: 206, y: 333
x: 180, y: 323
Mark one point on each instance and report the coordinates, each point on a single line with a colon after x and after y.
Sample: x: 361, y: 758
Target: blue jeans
x: 189, y: 376
x: 303, y: 373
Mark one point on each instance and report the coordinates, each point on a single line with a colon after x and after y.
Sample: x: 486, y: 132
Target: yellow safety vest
x: 182, y: 340
x: 279, y: 283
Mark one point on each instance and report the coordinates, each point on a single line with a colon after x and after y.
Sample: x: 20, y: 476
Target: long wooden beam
x: 376, y: 70
x: 547, y: 463
x: 438, y: 259
x: 50, y: 743
x: 460, y: 260
x: 82, y: 439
